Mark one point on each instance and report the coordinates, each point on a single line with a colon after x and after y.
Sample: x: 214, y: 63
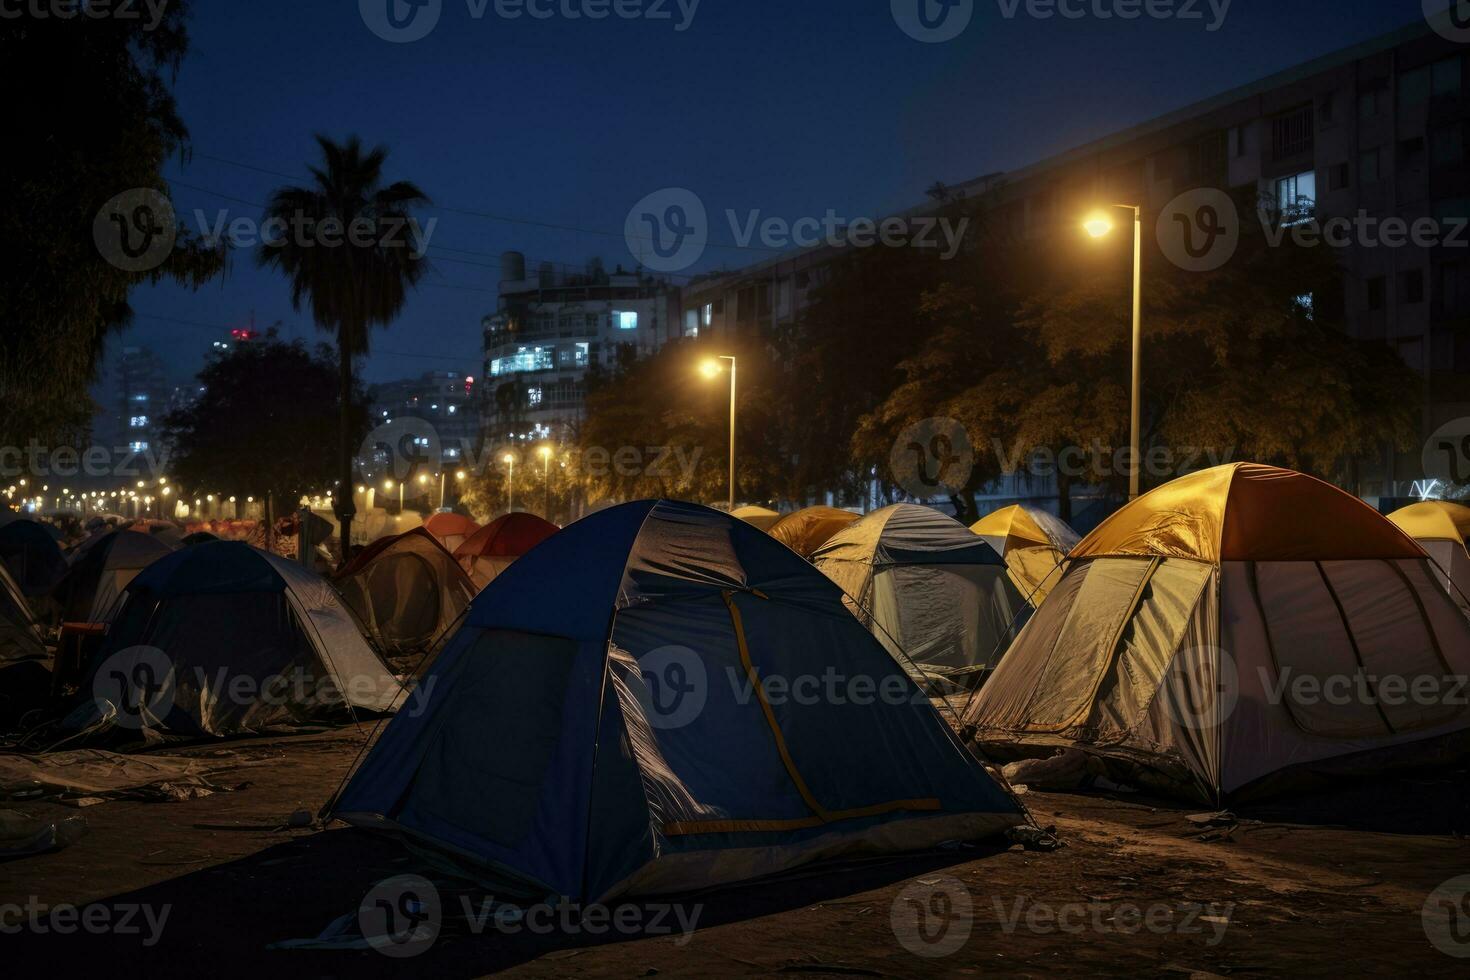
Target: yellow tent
x: 758, y: 516
x: 807, y: 530
x: 1442, y: 528
x: 1033, y: 544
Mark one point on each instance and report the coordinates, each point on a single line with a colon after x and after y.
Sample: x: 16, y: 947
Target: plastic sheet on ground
x: 21, y: 836
x: 84, y: 776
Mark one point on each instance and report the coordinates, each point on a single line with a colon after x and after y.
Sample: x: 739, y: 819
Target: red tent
x: 492, y: 549
x: 451, y: 529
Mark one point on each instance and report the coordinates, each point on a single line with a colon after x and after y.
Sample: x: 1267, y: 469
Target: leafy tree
x: 351, y: 255
x: 90, y: 116
x: 263, y: 423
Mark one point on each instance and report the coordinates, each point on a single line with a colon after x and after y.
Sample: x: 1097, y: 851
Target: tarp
x: 232, y: 639
x: 595, y: 728
x: 1248, y: 512
x: 1211, y: 676
x: 936, y: 596
x: 1033, y: 543
x: 32, y: 556
x: 492, y: 549
x: 406, y: 589
x: 101, y: 570
x: 760, y: 517
x: 807, y: 530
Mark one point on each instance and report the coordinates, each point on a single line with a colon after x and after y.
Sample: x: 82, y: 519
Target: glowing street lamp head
x: 1098, y: 225
x: 711, y: 368
x: 545, y: 452
x: 460, y: 475
x: 423, y: 478
x: 508, y: 458
x: 387, y: 484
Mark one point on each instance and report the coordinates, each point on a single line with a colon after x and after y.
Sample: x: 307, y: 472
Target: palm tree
x: 353, y: 282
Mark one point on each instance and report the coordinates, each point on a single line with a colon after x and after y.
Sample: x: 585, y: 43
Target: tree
x: 351, y: 252
x: 263, y: 423
x: 90, y: 116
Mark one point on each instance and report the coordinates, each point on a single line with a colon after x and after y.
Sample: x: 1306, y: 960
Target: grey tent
x: 936, y: 595
x: 222, y: 638
x: 1238, y: 631
x: 19, y: 637
x: 32, y: 556
x: 406, y: 589
x: 101, y: 569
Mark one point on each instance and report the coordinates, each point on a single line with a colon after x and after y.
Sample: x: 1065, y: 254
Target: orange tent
x: 492, y: 549
x: 807, y: 530
x: 451, y: 529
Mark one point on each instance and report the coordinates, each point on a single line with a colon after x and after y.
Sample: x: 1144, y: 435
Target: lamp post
x: 509, y: 459
x: 545, y: 452
x: 712, y: 369
x: 1099, y: 225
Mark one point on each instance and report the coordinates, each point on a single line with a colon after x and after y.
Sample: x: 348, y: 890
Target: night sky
x: 787, y: 106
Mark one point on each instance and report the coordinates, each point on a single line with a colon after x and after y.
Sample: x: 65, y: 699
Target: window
x: 709, y: 314
x: 626, y: 320
x: 1368, y: 167
x: 533, y: 396
x: 1445, y: 76
x: 691, y: 323
x: 1296, y: 197
x: 1447, y: 145
x: 1327, y: 109
x: 1413, y: 88
x: 525, y: 359
x: 138, y: 447
x: 1454, y: 289
x: 138, y: 422
x: 1291, y: 133
x: 1376, y: 293
x: 1339, y: 177
x: 1411, y: 286
x: 1372, y: 98
x: 1411, y: 153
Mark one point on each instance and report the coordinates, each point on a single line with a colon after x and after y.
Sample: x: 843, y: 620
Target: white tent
x: 936, y: 596
x: 1237, y: 631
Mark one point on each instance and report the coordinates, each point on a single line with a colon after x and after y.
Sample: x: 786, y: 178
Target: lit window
x: 533, y: 396
x: 1296, y: 197
x: 709, y: 314
x: 524, y: 359
x: 138, y: 421
x: 626, y: 321
x: 453, y: 409
x: 138, y: 447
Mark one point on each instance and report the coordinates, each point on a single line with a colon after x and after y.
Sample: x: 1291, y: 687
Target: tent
x: 406, y: 590
x: 807, y: 530
x: 1231, y: 633
x: 232, y: 639
x: 592, y: 730
x: 166, y: 531
x: 101, y: 569
x: 197, y: 537
x: 451, y: 529
x: 934, y: 594
x: 20, y: 639
x: 1033, y: 543
x: 758, y: 516
x: 492, y: 549
x: 1441, y: 528
x: 32, y: 556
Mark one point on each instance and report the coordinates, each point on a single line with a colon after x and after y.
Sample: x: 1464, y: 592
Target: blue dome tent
x: 621, y: 713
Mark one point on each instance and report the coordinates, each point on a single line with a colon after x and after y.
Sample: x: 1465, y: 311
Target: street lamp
x: 545, y: 452
x: 1099, y: 225
x: 711, y: 369
x: 509, y: 459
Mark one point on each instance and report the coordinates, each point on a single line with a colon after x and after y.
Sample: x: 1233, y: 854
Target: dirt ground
x: 1331, y: 885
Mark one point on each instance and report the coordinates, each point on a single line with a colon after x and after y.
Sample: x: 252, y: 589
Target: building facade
x: 553, y: 327
x: 445, y: 399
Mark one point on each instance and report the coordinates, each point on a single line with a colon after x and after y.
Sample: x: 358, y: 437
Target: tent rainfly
x: 101, y: 570
x: 406, y: 589
x: 1442, y: 529
x: 933, y: 593
x: 492, y: 549
x: 20, y: 639
x: 1233, y: 633
x: 1033, y: 543
x: 32, y: 556
x: 807, y: 530
x: 553, y: 749
x: 222, y: 638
